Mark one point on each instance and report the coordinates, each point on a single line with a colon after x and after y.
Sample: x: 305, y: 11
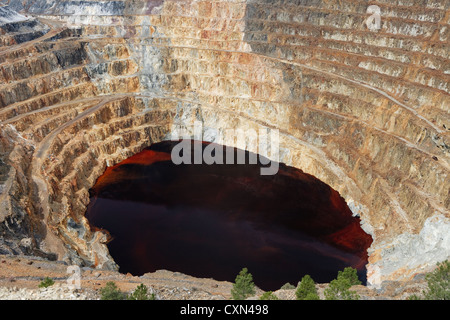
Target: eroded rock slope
x: 86, y: 84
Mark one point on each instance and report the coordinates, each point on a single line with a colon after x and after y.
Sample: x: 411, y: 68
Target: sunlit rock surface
x: 86, y: 84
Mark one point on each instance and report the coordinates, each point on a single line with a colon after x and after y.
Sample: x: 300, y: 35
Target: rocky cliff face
x: 85, y: 84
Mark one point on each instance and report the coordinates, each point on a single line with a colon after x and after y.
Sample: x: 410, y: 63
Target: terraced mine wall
x: 86, y: 84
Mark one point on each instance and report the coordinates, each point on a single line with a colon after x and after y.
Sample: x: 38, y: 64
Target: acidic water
x: 210, y: 221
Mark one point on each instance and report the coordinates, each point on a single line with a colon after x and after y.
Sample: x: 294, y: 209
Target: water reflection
x: 213, y: 220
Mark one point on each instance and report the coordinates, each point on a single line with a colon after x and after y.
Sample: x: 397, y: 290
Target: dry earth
x: 20, y: 277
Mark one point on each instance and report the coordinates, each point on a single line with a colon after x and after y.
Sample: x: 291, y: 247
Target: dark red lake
x: 210, y: 221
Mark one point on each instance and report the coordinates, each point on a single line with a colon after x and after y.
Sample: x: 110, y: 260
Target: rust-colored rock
x: 366, y: 112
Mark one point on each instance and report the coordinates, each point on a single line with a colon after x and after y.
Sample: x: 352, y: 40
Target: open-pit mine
x: 359, y: 98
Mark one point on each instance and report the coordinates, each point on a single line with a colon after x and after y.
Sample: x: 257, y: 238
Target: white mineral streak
x: 413, y: 253
x: 9, y: 16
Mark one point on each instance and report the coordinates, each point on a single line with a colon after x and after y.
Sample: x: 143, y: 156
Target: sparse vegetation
x: 438, y: 284
x: 306, y: 289
x: 339, y: 288
x: 47, y: 282
x: 141, y: 293
x: 243, y: 286
x: 350, y: 274
x: 112, y: 292
x: 287, y: 286
x: 312, y: 296
x: 269, y: 295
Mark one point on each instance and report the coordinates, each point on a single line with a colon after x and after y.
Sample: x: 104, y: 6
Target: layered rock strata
x: 86, y: 84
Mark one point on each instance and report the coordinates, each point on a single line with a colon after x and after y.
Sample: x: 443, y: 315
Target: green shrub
x: 306, y: 289
x: 141, y: 293
x: 339, y: 289
x: 288, y: 286
x: 438, y: 284
x: 312, y: 296
x: 47, y: 282
x: 111, y: 292
x: 243, y: 286
x: 269, y: 295
x: 350, y: 274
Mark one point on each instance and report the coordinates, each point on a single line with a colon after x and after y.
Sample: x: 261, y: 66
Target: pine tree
x: 350, y: 274
x: 339, y: 289
x: 306, y: 289
x: 439, y: 282
x: 111, y: 292
x: 269, y: 295
x: 243, y: 286
x: 47, y: 282
x: 141, y: 293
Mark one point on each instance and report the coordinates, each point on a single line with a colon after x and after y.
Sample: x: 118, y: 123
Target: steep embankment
x: 367, y: 112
